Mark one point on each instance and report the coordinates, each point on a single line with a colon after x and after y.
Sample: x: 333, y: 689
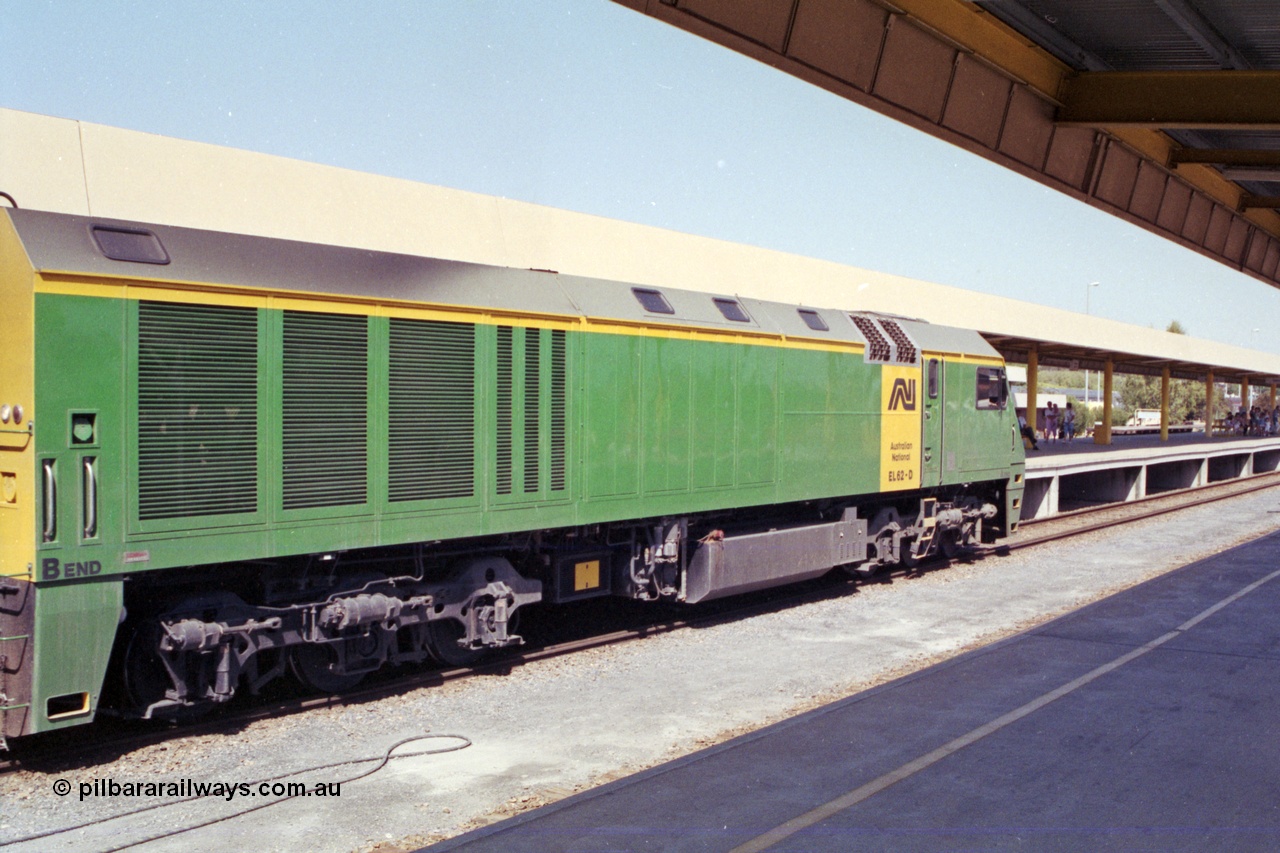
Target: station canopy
x: 1165, y: 113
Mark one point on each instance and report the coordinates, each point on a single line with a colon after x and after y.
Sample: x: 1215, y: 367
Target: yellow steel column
x: 1164, y: 403
x: 1102, y: 435
x: 1273, y: 396
x: 1033, y: 384
x: 1208, y: 405
x: 1244, y: 395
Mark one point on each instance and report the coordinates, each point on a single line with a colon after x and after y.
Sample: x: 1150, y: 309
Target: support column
x: 1273, y: 396
x: 1164, y: 403
x: 1244, y: 394
x: 1033, y: 385
x: 1102, y: 435
x: 1208, y: 405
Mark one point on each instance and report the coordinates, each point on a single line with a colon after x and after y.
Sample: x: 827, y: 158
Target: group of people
x: 1059, y: 424
x: 1256, y: 421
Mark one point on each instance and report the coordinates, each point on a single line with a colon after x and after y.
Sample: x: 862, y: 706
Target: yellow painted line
x: 960, y: 358
x: 71, y: 284
x: 875, y: 786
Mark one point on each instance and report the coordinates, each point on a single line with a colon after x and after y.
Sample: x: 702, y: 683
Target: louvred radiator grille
x: 432, y: 410
x: 325, y: 416
x: 197, y: 410
x: 557, y: 411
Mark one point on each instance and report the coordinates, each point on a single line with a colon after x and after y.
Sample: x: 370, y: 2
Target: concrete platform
x: 1146, y: 721
x: 1063, y: 476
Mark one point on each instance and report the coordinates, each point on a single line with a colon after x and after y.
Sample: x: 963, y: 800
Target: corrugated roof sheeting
x: 1252, y: 26
x: 1128, y: 35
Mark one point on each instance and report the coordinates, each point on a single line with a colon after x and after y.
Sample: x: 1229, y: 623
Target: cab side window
x: 992, y: 389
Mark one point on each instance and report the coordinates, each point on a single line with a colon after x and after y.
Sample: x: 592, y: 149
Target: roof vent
x: 129, y: 244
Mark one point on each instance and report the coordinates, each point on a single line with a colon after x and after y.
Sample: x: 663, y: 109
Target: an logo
x: 903, y: 395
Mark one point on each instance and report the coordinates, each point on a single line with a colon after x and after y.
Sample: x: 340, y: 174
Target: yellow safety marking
x: 17, y: 388
x: 958, y: 358
x: 586, y: 575
x: 900, y: 427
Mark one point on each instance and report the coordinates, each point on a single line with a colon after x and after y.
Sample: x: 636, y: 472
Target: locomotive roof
x: 94, y: 246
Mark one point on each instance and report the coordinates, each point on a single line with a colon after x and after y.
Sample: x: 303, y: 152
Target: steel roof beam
x: 1260, y: 201
x: 1240, y: 100
x: 1225, y: 157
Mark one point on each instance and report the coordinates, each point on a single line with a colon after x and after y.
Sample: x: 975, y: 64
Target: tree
x: 1186, y: 396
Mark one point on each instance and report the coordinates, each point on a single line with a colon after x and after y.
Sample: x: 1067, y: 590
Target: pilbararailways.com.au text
x: 190, y: 788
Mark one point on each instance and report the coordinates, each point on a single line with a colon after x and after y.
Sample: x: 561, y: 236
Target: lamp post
x: 1090, y: 286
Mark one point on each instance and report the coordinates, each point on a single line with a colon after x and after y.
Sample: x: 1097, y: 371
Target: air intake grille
x: 530, y: 436
x: 326, y: 393
x: 877, y: 346
x: 904, y: 349
x: 532, y: 351
x: 432, y: 410
x: 557, y: 411
x: 197, y: 410
x: 504, y: 407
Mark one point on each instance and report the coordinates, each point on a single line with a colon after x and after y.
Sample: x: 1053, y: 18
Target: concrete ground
x: 550, y: 729
x: 1148, y: 442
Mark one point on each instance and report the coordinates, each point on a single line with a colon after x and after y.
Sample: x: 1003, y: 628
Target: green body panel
x: 76, y: 614
x: 80, y: 369
x: 655, y: 426
x: 75, y: 626
x: 978, y: 443
x: 830, y: 424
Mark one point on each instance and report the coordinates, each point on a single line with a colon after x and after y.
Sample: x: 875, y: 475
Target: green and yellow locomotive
x: 228, y: 459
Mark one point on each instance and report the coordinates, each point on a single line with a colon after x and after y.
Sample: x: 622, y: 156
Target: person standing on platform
x: 1069, y: 422
x: 1051, y: 421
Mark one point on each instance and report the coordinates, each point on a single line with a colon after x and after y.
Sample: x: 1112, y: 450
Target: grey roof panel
x: 615, y: 300
x: 786, y: 320
x: 948, y: 339
x: 63, y: 243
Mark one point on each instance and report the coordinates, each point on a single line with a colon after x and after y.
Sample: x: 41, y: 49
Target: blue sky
x: 588, y: 106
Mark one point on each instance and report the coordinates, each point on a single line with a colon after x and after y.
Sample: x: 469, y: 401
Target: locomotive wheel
x: 145, y: 681
x: 442, y: 640
x: 950, y: 544
x: 443, y: 636
x: 144, y: 676
x: 905, y: 557
x: 312, y: 664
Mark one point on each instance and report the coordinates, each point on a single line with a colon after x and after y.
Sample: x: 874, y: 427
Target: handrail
x: 90, y: 498
x: 50, y: 502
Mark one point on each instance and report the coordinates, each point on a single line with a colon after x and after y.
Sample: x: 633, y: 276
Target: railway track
x: 69, y: 750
